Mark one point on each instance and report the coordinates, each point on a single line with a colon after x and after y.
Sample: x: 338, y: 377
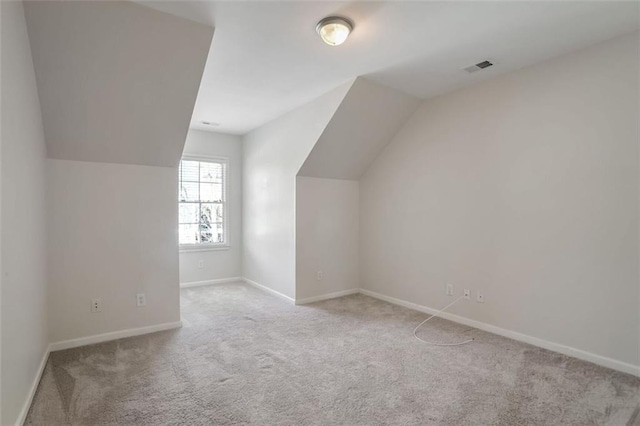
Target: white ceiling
x: 266, y: 58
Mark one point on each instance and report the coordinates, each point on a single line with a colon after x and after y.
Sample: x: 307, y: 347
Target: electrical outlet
x: 480, y: 297
x: 141, y: 299
x: 467, y: 294
x: 96, y: 305
x: 320, y: 276
x: 200, y: 264
x: 449, y: 289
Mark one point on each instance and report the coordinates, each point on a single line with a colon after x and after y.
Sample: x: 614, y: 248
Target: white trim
x: 204, y: 157
x: 269, y: 290
x: 184, y: 248
x: 555, y: 347
x: 34, y: 386
x: 327, y: 296
x: 105, y: 337
x: 190, y: 248
x: 210, y: 282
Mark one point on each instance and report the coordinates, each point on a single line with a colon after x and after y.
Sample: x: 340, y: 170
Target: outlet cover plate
x: 141, y: 299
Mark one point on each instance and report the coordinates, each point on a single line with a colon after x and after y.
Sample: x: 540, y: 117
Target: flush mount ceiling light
x: 334, y: 30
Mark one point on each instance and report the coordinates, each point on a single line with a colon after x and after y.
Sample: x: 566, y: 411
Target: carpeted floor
x: 245, y: 357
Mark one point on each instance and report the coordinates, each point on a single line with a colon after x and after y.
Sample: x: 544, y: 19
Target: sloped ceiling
x: 364, y: 123
x: 117, y: 81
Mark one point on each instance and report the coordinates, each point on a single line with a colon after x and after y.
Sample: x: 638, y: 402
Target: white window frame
x: 225, y: 203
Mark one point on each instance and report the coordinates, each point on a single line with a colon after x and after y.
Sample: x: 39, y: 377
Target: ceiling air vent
x: 479, y: 66
x: 210, y: 123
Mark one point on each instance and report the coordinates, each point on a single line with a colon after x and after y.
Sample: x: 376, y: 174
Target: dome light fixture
x: 334, y: 30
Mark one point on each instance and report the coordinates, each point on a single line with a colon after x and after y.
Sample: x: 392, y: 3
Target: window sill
x: 200, y: 247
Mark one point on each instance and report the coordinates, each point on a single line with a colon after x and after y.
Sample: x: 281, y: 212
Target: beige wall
x: 227, y: 262
x: 327, y: 217
x: 112, y: 234
x: 524, y: 187
x: 24, y: 275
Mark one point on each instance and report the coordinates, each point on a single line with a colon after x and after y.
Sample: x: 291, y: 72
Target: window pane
x: 188, y: 213
x: 189, y: 170
x: 206, y: 234
x: 189, y: 191
x: 213, y: 233
x: 211, y: 213
x: 188, y: 234
x: 218, y: 233
x: 201, y: 194
x: 210, y: 192
x: 211, y: 172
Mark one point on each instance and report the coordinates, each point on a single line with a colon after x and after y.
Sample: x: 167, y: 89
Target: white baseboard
x: 327, y: 296
x: 105, y: 337
x: 555, y: 347
x: 34, y: 386
x: 210, y: 282
x: 269, y: 290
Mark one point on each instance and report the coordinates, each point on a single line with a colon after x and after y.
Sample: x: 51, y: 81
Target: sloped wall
x: 117, y: 81
x: 272, y: 155
x: 366, y: 120
x: 327, y: 207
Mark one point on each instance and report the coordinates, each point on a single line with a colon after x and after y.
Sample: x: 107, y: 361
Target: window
x: 202, y: 209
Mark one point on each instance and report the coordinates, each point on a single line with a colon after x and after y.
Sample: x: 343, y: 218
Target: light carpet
x: 245, y: 357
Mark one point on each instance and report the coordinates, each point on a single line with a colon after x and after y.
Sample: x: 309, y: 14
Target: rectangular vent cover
x: 479, y: 66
